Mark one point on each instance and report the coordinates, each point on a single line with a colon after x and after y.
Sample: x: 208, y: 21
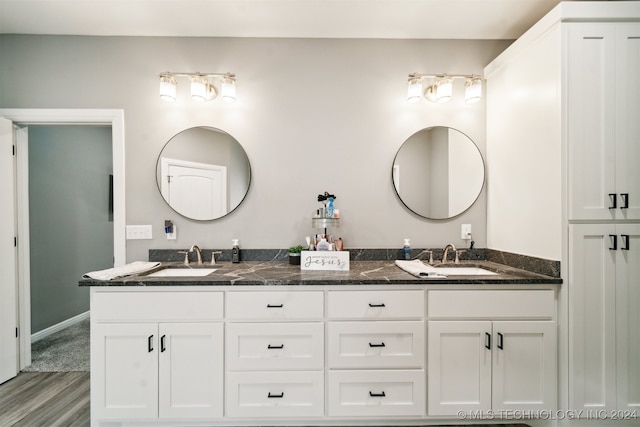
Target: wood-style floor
x: 45, y: 399
x: 61, y: 399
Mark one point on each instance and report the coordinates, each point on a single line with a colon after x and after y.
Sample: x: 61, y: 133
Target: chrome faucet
x: 446, y: 250
x: 198, y: 253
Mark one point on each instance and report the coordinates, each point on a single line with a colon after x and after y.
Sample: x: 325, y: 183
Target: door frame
x: 39, y: 116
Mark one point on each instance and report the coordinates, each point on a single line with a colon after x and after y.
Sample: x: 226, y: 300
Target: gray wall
x: 70, y: 231
x: 312, y: 115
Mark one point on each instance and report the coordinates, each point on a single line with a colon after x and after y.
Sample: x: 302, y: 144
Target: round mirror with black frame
x: 438, y: 172
x: 203, y: 173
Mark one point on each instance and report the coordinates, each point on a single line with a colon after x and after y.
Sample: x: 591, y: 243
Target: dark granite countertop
x: 360, y: 273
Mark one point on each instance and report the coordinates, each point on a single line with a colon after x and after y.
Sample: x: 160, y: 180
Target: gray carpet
x: 64, y: 351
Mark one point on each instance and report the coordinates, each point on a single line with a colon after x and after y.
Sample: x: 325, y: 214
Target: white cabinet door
x: 628, y: 316
x: 124, y: 371
x: 627, y: 123
x: 459, y: 366
x: 190, y: 370
x: 524, y: 368
x: 602, y: 126
x: 592, y: 311
x: 604, y: 348
x: 590, y: 120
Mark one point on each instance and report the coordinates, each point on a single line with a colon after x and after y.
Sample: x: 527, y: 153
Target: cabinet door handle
x: 487, y: 340
x: 625, y: 239
x: 614, y: 240
x: 377, y: 345
x: 150, y: 343
x: 625, y: 200
x: 500, y: 341
x: 275, y: 396
x: 377, y: 305
x: 381, y: 394
x: 614, y: 200
x: 271, y: 347
x: 162, y: 346
x: 275, y: 305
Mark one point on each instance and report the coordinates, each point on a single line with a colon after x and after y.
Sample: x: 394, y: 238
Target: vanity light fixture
x: 440, y: 87
x: 168, y: 88
x: 473, y: 90
x: 201, y: 85
x: 414, y: 90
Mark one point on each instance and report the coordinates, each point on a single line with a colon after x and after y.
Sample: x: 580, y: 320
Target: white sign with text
x: 324, y: 260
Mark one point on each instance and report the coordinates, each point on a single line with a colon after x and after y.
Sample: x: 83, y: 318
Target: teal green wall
x: 70, y: 230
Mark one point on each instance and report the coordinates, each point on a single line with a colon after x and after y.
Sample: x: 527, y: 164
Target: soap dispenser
x: 406, y: 250
x: 235, y: 251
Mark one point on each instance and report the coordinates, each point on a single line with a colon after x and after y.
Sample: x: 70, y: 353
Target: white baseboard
x: 59, y: 326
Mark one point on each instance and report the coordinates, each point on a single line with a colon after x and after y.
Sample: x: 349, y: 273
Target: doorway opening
x: 113, y: 119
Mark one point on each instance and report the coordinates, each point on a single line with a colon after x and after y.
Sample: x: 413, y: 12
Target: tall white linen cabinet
x: 563, y: 160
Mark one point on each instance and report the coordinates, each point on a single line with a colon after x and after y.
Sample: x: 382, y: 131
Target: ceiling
x: 406, y: 19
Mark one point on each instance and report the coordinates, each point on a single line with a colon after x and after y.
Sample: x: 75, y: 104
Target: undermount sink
x: 464, y: 271
x: 182, y: 272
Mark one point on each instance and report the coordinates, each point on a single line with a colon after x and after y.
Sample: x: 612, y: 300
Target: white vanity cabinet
x: 376, y: 345
x: 156, y: 355
x: 603, y: 130
x: 274, y: 343
x: 491, y: 350
x: 605, y: 310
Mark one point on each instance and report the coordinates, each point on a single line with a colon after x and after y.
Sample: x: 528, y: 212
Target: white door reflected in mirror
x: 442, y: 172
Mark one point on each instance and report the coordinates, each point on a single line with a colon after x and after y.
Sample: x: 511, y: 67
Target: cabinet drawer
x: 375, y: 304
x: 275, y: 394
x: 377, y: 393
x: 488, y: 304
x: 156, y: 306
x: 274, y: 346
x: 381, y: 344
x: 279, y: 305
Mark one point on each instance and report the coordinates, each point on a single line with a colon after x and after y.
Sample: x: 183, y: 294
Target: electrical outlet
x: 172, y: 235
x: 465, y: 231
x: 139, y: 232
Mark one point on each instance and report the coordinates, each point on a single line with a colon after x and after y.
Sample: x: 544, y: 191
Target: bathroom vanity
x: 263, y: 343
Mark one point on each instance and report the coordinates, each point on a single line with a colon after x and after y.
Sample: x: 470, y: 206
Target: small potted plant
x: 294, y: 254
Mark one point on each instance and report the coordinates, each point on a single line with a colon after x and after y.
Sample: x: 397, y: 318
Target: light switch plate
x: 139, y: 232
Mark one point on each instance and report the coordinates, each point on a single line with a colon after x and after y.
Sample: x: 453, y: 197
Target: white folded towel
x: 130, y: 269
x: 419, y: 269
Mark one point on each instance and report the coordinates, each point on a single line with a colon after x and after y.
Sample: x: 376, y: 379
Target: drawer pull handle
x: 614, y: 200
x: 163, y: 348
x: 275, y: 396
x: 377, y: 305
x: 377, y: 345
x: 487, y: 341
x: 625, y: 239
x: 150, y: 343
x: 500, y: 341
x: 275, y: 305
x: 372, y: 394
x: 271, y: 347
x: 625, y: 200
x: 614, y: 240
